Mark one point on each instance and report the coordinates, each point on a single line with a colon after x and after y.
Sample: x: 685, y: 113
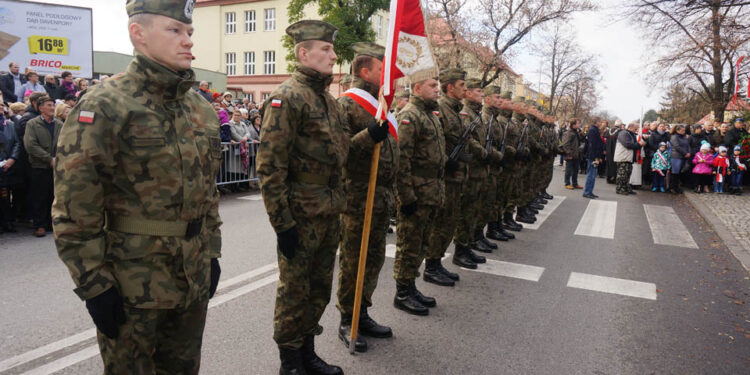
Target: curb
x: 742, y: 255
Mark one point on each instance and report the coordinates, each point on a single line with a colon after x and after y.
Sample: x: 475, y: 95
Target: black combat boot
x: 345, y: 329
x: 433, y: 275
x: 462, y: 258
x: 494, y: 231
x: 424, y: 300
x: 479, y: 237
x: 478, y: 259
x: 523, y: 216
x: 510, y: 223
x: 451, y: 275
x: 546, y: 195
x: 314, y: 365
x: 534, y: 207
x: 369, y: 327
x: 540, y: 200
x: 406, y: 301
x: 504, y: 232
x: 481, y: 247
x: 291, y: 362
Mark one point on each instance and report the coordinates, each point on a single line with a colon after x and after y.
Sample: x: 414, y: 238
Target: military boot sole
x: 423, y: 311
x: 440, y: 279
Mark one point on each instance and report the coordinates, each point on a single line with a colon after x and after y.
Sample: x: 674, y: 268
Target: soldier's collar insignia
x: 276, y: 103
x: 86, y: 117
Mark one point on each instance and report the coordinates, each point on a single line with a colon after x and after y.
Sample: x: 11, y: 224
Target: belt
x: 424, y: 173
x: 331, y: 181
x: 146, y: 227
x: 366, y: 178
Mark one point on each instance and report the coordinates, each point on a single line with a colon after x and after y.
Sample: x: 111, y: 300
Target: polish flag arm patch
x: 86, y: 117
x: 276, y: 103
x: 463, y: 114
x: 405, y: 122
x: 436, y: 113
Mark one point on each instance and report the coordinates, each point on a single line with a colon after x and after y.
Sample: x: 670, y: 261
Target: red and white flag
x: 407, y: 49
x: 737, y: 81
x: 370, y: 104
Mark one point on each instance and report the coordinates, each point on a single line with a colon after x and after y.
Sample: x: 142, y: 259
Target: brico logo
x: 46, y: 63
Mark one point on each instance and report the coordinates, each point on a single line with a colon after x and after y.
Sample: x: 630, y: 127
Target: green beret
x: 492, y: 90
x: 473, y: 83
x: 181, y: 10
x: 402, y: 94
x: 347, y: 78
x: 312, y: 30
x: 368, y: 49
x: 519, y: 99
x: 451, y: 74
x: 507, y: 95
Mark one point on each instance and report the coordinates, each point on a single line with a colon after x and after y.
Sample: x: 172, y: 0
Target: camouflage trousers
x: 154, y: 341
x: 489, y: 205
x: 444, y: 228
x: 549, y: 168
x: 624, y: 169
x: 503, y: 194
x: 468, y: 212
x: 412, y: 242
x: 305, y: 281
x: 351, y: 240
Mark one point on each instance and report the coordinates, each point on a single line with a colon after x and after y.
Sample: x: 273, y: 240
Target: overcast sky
x: 617, y: 45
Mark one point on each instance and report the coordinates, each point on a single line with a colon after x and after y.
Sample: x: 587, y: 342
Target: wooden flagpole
x: 366, y: 230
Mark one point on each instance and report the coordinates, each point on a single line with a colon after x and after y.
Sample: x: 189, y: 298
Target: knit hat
x: 663, y: 144
x: 722, y: 149
x: 705, y: 146
x: 737, y: 148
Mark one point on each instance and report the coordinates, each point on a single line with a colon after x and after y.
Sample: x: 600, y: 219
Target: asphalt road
x: 611, y: 299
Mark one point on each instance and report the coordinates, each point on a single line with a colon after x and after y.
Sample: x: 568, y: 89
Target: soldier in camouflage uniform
x: 401, y: 100
x: 358, y: 123
x: 300, y: 165
x: 452, y: 83
x: 551, y: 138
x: 136, y: 211
x: 421, y: 191
x: 346, y: 82
x: 518, y: 134
x: 495, y: 229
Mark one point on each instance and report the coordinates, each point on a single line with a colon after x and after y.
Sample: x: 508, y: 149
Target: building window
x: 231, y: 24
x: 379, y: 26
x: 231, y: 59
x: 264, y: 96
x: 269, y: 62
x: 249, y: 21
x: 270, y: 21
x: 249, y: 63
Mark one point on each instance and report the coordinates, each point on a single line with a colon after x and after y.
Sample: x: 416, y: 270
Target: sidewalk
x: 729, y: 215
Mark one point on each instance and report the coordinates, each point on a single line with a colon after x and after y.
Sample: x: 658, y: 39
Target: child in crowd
x: 736, y: 169
x: 721, y: 169
x: 703, y: 170
x: 660, y: 164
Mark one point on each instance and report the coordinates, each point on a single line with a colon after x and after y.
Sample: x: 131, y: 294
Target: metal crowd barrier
x: 237, y: 165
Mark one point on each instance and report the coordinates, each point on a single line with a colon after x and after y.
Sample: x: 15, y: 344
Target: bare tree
x: 449, y: 29
x: 562, y: 58
x: 698, y: 43
x: 579, y: 97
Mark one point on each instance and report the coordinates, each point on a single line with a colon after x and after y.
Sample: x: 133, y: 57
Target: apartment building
x: 243, y: 38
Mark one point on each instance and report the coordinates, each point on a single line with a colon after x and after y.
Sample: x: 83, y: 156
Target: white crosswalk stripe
x: 598, y: 220
x: 667, y: 228
x: 549, y: 208
x: 612, y: 285
x: 508, y: 269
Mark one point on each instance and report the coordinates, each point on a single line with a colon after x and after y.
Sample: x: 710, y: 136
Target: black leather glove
x: 487, y: 160
x: 107, y: 312
x: 288, y: 242
x: 378, y: 131
x: 215, y: 273
x: 451, y: 166
x: 409, y: 209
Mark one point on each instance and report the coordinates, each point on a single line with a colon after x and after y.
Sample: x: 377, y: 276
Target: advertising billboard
x: 47, y: 38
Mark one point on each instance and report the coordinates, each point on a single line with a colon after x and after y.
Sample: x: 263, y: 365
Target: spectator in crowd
x: 223, y: 115
x: 624, y: 157
x: 16, y: 111
x: 67, y: 86
x: 40, y: 141
x: 735, y: 134
x: 737, y: 168
x: 33, y: 84
x: 61, y: 112
x: 611, y: 136
x: 717, y: 136
x: 103, y: 77
x: 660, y: 165
x: 70, y: 100
x: 81, y: 84
x: 708, y: 129
x: 703, y: 168
x: 205, y: 92
x: 572, y: 153
x: 680, y: 156
x: 560, y: 133
x: 720, y: 169
x: 51, y: 87
x: 696, y: 139
x: 22, y: 199
x: 582, y: 139
x: 594, y: 155
x: 226, y: 102
x: 240, y: 155
x: 11, y: 84
x: 10, y: 150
